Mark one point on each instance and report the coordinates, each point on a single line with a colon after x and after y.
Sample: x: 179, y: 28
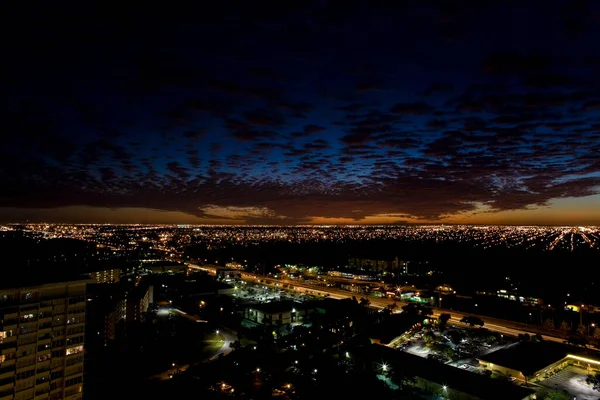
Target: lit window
x: 74, y: 350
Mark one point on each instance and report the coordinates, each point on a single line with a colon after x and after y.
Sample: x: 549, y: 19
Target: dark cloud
x: 411, y: 108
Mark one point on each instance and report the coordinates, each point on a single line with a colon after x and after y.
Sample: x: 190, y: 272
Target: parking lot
x: 572, y: 379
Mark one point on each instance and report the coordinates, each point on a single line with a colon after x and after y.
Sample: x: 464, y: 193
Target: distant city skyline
x: 324, y: 113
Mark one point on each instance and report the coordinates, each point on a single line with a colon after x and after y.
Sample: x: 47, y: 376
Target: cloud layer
x: 331, y: 112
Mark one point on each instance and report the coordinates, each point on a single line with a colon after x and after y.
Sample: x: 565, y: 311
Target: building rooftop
x: 528, y: 357
x: 275, y: 307
x: 14, y: 278
x: 457, y: 379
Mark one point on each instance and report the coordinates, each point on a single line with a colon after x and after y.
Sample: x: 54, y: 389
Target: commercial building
x: 42, y: 340
x: 529, y: 362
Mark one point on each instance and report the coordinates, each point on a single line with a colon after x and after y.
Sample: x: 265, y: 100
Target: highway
x: 501, y: 326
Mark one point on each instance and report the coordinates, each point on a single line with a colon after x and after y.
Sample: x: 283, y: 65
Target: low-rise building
x: 528, y: 362
x: 228, y: 275
x: 439, y: 379
x: 276, y: 313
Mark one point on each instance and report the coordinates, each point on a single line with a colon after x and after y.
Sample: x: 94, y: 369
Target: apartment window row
x: 7, y: 345
x: 41, y: 390
x: 26, y: 374
x: 56, y: 332
x: 6, y: 392
x: 74, y: 350
x: 77, y: 299
x: 7, y: 368
x: 75, y: 330
x: 43, y: 347
x: 56, y: 374
x: 30, y: 307
x: 29, y: 339
x: 74, y: 360
x: 73, y: 381
x: 78, y: 310
x: 77, y: 319
x: 73, y: 390
x: 27, y: 328
x: 41, y: 380
x: 75, y: 340
x: 9, y: 321
x: 25, y: 362
x: 4, y: 381
x: 26, y: 384
x: 8, y: 356
x: 30, y: 317
x: 24, y: 395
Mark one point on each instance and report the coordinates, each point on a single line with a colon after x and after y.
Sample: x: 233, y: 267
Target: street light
x: 217, y: 331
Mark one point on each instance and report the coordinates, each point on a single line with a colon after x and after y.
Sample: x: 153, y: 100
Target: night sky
x: 290, y: 112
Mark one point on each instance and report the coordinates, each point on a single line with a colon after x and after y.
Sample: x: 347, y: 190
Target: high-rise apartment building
x: 42, y: 341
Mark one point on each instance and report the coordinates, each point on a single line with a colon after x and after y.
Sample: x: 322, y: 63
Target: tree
x: 444, y: 318
x: 426, y: 311
x: 443, y: 321
x: 582, y: 330
x: 364, y: 302
x: 411, y: 308
x: 594, y: 381
x: 429, y: 337
x: 597, y: 333
x: 524, y: 338
x: 565, y: 326
x: 456, y: 336
x: 537, y: 338
x: 548, y: 324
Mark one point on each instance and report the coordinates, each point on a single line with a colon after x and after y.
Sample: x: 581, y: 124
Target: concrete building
x: 42, y: 340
